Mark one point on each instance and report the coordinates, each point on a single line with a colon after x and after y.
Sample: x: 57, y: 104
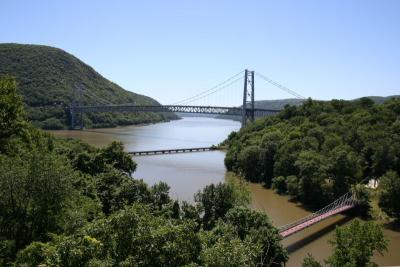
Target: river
x: 189, y: 172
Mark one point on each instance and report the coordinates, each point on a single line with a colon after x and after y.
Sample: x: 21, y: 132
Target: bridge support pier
x: 244, y: 105
x: 77, y: 102
x: 72, y: 117
x: 248, y: 113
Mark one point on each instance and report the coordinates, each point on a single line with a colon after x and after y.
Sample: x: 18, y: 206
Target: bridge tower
x: 248, y: 91
x: 76, y: 102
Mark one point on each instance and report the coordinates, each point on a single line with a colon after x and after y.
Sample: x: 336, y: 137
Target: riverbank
x: 315, y: 239
x: 188, y: 173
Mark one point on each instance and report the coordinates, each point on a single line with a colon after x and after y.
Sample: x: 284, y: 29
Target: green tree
x: 230, y: 160
x: 270, y: 143
x: 215, y: 201
x: 312, y: 172
x: 248, y: 162
x: 309, y: 261
x: 293, y: 185
x: 12, y: 113
x: 114, y: 155
x: 7, y: 251
x: 36, y: 189
x: 389, y: 186
x: 256, y: 228
x: 52, y: 124
x: 355, y: 244
x: 135, y: 234
x: 279, y: 184
x: 345, y: 169
x: 129, y: 237
x: 229, y: 250
x: 362, y: 195
x: 160, y: 193
x: 116, y: 189
x: 287, y: 155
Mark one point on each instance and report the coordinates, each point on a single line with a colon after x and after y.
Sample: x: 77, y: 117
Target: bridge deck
x: 235, y: 111
x: 313, y: 221
x: 171, y: 151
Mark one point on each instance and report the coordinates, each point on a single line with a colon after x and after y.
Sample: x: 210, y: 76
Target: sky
x: 171, y: 50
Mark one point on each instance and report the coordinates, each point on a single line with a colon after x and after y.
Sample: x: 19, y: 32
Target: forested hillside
x: 279, y: 104
x: 66, y: 203
x: 317, y: 151
x: 47, y: 78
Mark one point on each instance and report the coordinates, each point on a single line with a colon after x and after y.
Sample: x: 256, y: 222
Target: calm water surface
x: 190, y: 172
x: 185, y: 173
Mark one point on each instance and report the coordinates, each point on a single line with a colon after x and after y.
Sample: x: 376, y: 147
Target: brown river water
x: 189, y: 172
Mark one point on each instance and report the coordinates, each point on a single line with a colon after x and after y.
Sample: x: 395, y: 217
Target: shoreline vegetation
x: 376, y: 213
x: 316, y: 152
x: 67, y: 203
x: 121, y: 126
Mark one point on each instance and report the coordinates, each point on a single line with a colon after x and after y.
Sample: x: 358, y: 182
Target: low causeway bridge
x: 172, y: 151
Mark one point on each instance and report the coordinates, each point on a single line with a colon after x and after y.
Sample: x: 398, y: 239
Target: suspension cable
x: 212, y: 92
x: 280, y: 86
x: 199, y: 95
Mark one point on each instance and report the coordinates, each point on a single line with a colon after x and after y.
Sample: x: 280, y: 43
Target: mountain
x: 278, y: 103
x: 48, y: 77
x: 281, y: 103
x: 380, y: 99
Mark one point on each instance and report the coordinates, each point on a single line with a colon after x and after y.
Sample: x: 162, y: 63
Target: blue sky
x: 170, y: 50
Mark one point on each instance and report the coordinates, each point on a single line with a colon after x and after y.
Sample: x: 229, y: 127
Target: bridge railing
x: 345, y: 200
x: 235, y: 111
x: 171, y: 108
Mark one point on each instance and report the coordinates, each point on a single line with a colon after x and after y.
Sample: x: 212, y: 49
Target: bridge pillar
x: 74, y: 108
x: 72, y: 117
x: 244, y: 105
x: 248, y: 112
x: 252, y: 97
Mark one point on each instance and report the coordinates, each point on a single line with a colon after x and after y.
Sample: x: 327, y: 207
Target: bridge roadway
x: 172, y: 151
x: 258, y: 112
x: 313, y: 220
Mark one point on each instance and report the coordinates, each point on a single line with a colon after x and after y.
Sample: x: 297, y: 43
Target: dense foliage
x: 317, y: 151
x: 354, y: 246
x: 47, y: 78
x: 66, y: 203
x: 279, y: 104
x: 390, y: 193
x: 12, y: 115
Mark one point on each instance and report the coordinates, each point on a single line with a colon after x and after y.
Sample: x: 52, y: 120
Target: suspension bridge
x: 206, y: 102
x: 218, y: 100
